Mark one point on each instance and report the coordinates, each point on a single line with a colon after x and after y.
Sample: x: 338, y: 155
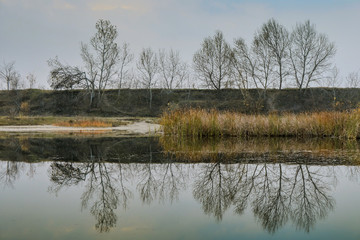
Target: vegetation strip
x: 198, y: 123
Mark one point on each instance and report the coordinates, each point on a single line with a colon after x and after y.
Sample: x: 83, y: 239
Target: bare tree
x: 213, y: 61
x: 243, y: 65
x: 310, y: 54
x: 148, y: 66
x: 275, y: 37
x: 173, y: 71
x: 31, y: 80
x: 263, y: 62
x: 353, y: 79
x: 65, y: 76
x: 100, y: 63
x: 9, y: 74
x: 125, y: 58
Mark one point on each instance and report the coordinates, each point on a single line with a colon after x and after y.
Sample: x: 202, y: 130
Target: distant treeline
x: 275, y: 58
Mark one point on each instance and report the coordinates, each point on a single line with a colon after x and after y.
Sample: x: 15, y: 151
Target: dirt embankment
x: 136, y: 102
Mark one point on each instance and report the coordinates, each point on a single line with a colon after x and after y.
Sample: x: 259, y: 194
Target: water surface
x: 143, y: 188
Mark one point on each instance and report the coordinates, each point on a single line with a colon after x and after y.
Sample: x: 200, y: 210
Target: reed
x: 199, y: 123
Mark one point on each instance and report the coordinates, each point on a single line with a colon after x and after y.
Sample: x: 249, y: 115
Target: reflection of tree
x: 269, y: 204
x: 9, y: 172
x: 214, y: 189
x: 277, y: 193
x: 173, y: 180
x: 100, y: 178
x: 309, y: 197
x: 159, y: 180
x: 147, y: 185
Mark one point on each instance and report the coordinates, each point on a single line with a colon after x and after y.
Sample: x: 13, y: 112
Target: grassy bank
x: 198, y: 123
x: 76, y: 121
x: 135, y: 102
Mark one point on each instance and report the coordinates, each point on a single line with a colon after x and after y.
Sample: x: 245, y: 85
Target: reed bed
x: 199, y: 123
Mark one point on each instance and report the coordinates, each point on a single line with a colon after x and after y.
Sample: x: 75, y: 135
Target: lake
x: 93, y: 187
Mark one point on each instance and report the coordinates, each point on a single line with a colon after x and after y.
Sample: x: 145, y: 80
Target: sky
x: 33, y: 31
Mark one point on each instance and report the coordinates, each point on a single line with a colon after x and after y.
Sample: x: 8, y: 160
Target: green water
x: 128, y: 188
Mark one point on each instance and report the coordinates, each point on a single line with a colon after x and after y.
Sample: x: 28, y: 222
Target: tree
x: 263, y: 62
x: 10, y: 75
x: 100, y: 59
x: 31, y: 79
x: 125, y: 58
x: 310, y: 54
x: 275, y: 37
x: 353, y: 79
x: 243, y: 66
x: 65, y: 76
x: 213, y: 61
x: 100, y: 62
x: 173, y: 71
x: 148, y: 67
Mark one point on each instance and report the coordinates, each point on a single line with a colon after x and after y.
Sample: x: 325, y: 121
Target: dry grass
x: 75, y: 121
x: 200, y: 123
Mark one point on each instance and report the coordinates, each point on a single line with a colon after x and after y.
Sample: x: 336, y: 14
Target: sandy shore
x: 138, y: 128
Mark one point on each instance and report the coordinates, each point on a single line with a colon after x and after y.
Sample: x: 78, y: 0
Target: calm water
x: 138, y: 188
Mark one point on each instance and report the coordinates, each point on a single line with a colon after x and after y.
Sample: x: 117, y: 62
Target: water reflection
x: 275, y: 192
x: 111, y: 172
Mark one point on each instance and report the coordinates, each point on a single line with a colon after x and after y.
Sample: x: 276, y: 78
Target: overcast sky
x: 32, y: 31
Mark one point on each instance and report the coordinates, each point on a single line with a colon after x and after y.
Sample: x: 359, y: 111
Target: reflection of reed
x: 322, y: 151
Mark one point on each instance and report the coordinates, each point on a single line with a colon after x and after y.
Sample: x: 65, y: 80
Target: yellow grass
x: 200, y: 123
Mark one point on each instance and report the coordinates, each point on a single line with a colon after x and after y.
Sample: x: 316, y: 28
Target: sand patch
x: 138, y: 128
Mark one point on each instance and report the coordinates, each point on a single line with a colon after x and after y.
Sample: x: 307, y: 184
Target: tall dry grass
x: 200, y: 123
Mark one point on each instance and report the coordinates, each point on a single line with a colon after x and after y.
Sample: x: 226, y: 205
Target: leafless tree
x: 173, y: 71
x: 31, y: 80
x: 65, y: 76
x: 125, y: 58
x: 263, y: 61
x: 9, y: 74
x: 275, y: 37
x: 243, y: 65
x: 100, y: 59
x: 310, y: 54
x: 332, y: 80
x: 212, y: 62
x: 100, y: 62
x: 353, y: 79
x: 148, y: 67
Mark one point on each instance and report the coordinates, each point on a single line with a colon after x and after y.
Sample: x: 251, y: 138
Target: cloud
x: 63, y: 5
x: 137, y: 6
x: 103, y: 7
